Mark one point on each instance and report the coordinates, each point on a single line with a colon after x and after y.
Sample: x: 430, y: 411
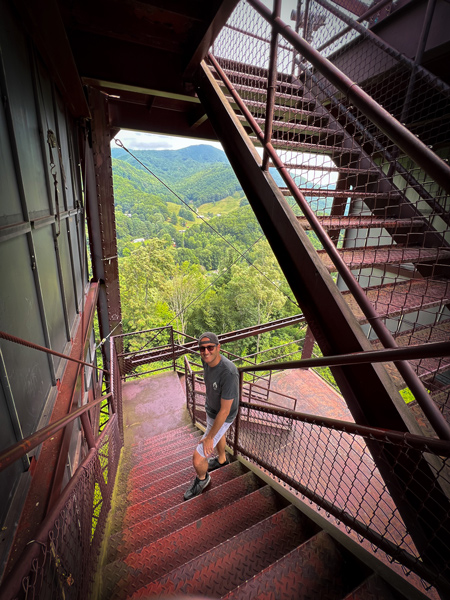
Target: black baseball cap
x: 211, y: 336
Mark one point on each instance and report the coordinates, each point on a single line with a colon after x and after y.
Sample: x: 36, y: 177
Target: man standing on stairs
x: 222, y: 401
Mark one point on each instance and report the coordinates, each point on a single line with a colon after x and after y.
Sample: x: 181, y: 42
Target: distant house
x: 138, y: 240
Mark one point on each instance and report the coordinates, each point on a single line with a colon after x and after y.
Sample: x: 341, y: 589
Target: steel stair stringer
x: 329, y: 317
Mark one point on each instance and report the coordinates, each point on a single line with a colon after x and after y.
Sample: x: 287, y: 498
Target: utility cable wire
x: 195, y: 299
x: 242, y: 255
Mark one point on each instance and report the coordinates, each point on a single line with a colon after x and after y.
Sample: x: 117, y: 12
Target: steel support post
x: 367, y: 389
x: 101, y: 221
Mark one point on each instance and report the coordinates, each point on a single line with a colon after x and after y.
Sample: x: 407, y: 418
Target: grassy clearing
x: 223, y: 207
x: 207, y: 210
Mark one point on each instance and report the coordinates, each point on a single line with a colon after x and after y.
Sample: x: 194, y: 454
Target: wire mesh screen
x: 64, y: 554
x: 336, y: 470
x: 386, y: 215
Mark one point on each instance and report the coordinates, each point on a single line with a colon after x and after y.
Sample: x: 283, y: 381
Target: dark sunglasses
x: 209, y: 348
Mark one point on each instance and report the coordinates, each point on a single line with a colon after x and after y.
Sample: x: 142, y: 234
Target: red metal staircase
x: 393, y: 239
x: 239, y: 539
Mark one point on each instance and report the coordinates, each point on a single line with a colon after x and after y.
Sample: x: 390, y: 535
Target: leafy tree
x: 144, y: 283
x: 185, y: 285
x: 186, y: 214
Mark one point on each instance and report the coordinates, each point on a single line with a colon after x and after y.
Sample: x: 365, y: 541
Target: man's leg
x: 221, y: 449
x: 200, y: 465
x: 200, y: 461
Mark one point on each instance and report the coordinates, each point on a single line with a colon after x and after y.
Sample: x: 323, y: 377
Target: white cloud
x: 137, y: 140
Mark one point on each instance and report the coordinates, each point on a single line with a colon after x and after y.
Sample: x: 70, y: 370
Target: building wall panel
x: 21, y: 101
x: 11, y: 208
x: 27, y: 369
x: 42, y: 279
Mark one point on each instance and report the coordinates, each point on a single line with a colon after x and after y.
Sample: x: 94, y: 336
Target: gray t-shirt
x: 221, y: 381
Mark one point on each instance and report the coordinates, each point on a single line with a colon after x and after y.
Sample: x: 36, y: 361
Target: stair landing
x: 153, y: 405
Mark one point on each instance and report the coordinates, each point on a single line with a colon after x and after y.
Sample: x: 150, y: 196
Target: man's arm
x: 221, y: 417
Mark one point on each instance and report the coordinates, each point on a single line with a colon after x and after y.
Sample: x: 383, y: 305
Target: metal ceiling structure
x: 141, y: 55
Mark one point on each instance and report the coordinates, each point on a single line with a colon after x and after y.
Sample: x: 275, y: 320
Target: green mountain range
x: 158, y: 193
x: 197, y: 174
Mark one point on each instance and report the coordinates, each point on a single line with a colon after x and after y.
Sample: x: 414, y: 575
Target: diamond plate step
x: 176, y: 515
x: 148, y: 462
x: 174, y: 433
x: 232, y: 563
x: 141, y: 481
x: 316, y: 569
x: 155, y: 560
x: 168, y: 446
x: 164, y: 441
x: 174, y: 496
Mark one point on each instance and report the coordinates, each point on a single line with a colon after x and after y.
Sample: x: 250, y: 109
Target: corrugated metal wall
x: 43, y: 269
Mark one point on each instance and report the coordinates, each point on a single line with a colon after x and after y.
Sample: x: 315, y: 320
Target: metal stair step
x: 176, y: 514
x: 158, y: 472
x: 233, y: 562
x: 426, y: 367
x: 372, y: 588
x: 157, y: 486
x: 163, y: 445
x: 371, y: 256
x: 363, y: 222
x: 306, y: 129
x: 261, y: 81
x: 156, y: 439
x: 284, y: 113
x: 299, y: 146
x: 155, y: 560
x: 394, y: 299
x: 248, y: 92
x: 173, y: 496
x: 344, y: 194
x: 149, y: 455
x: 316, y: 569
x: 148, y: 461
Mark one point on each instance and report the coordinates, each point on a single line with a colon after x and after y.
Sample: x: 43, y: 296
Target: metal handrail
x: 16, y: 340
x: 419, y: 442
x: 16, y: 451
x: 431, y: 350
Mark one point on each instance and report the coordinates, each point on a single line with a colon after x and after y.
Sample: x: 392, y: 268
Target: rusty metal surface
x: 142, y: 470
x: 152, y: 561
x: 169, y: 518
x: 165, y: 470
x: 223, y: 485
x: 314, y: 570
x: 233, y: 562
x: 372, y: 588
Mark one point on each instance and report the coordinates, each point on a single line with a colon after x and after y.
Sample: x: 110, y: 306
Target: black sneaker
x: 213, y: 463
x: 197, y: 487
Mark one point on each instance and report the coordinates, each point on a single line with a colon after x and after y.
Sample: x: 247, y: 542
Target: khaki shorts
x: 219, y: 434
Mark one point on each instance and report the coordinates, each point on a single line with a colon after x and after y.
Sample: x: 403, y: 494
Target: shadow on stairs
x: 239, y: 539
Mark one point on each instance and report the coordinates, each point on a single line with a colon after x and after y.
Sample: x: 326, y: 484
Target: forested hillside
x: 192, y: 254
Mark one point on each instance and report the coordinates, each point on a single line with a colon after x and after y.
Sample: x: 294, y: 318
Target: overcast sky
x: 136, y: 140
